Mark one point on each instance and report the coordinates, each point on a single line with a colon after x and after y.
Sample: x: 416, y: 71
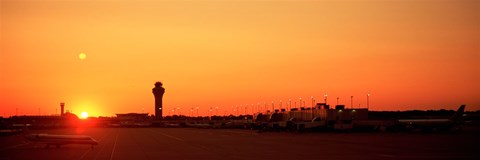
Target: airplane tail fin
x: 458, y: 114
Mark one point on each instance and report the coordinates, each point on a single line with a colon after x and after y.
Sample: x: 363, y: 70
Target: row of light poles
x: 301, y: 101
x: 351, y: 101
x: 237, y: 110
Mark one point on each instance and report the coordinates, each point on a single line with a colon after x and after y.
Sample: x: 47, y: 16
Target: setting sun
x: 84, y: 115
x: 82, y: 56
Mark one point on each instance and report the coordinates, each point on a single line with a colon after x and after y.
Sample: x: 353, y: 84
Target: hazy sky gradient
x: 406, y: 54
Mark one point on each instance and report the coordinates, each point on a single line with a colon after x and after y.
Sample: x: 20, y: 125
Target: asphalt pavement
x: 193, y: 143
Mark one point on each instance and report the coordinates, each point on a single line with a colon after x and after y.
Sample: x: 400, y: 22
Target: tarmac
x: 193, y: 143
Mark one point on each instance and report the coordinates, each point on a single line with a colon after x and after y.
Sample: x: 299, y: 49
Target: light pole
x: 233, y: 109
x: 337, y: 100
x: 290, y: 104
x: 253, y: 109
x: 311, y: 108
x: 258, y: 107
x: 273, y: 106
x: 368, y: 97
x: 245, y: 111
x: 325, y: 98
x: 210, y: 113
x: 265, y: 107
x: 197, y: 111
x: 280, y: 104
x: 313, y: 102
x: 216, y: 111
x: 351, y: 102
x: 300, y: 102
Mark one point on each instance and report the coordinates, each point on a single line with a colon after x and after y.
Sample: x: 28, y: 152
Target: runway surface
x: 192, y: 143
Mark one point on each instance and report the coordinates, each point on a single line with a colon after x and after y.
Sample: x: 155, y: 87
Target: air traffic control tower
x: 158, y: 92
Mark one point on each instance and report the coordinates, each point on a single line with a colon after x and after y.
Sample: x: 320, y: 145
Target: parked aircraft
x: 59, y: 140
x: 452, y: 123
x: 199, y: 125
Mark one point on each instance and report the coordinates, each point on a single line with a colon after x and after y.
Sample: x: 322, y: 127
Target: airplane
x: 199, y: 125
x: 59, y: 140
x: 453, y: 122
x: 171, y: 124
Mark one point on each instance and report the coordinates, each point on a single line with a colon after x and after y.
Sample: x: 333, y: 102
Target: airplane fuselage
x: 59, y: 140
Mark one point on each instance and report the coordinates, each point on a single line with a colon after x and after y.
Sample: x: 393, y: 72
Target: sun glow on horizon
x: 84, y: 115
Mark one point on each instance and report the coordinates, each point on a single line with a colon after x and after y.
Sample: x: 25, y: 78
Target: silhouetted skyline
x: 101, y: 57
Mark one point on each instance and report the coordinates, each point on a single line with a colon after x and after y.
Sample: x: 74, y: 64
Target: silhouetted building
x: 44, y: 121
x: 338, y: 107
x: 130, y: 120
x: 132, y: 116
x: 158, y: 92
x: 322, y: 106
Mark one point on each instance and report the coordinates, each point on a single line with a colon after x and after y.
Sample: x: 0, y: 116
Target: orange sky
x: 406, y: 54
